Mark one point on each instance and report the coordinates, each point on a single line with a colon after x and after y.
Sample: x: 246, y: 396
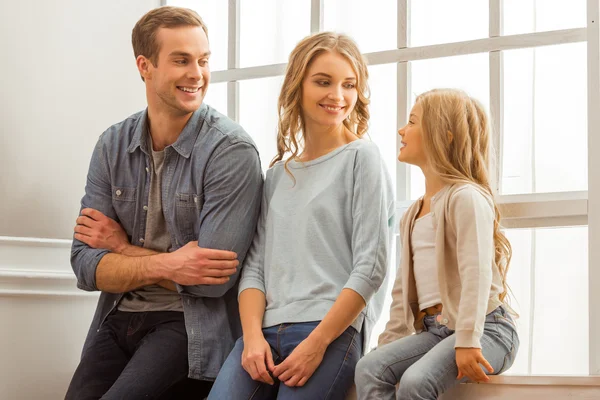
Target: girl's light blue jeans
x: 425, y: 364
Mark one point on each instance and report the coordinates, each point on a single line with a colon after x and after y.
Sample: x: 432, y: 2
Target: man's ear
x: 143, y: 65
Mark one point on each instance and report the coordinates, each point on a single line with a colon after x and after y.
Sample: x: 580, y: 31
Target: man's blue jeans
x: 136, y: 355
x: 332, y: 379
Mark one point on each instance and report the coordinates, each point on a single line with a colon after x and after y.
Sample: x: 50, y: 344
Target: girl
x: 322, y: 240
x: 451, y: 283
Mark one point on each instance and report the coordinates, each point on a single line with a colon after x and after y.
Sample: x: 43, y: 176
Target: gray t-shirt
x: 328, y: 230
x: 154, y: 297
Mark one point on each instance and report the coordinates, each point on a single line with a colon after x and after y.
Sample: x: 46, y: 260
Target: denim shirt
x: 211, y: 192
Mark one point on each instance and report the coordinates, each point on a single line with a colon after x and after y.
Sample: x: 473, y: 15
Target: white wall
x: 67, y: 72
x: 44, y: 319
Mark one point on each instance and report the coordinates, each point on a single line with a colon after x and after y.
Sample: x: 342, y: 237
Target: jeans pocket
x: 136, y: 322
x: 510, y: 356
x: 446, y: 332
x: 356, y: 339
x: 354, y: 344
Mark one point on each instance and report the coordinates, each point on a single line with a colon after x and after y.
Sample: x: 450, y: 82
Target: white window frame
x: 519, y: 211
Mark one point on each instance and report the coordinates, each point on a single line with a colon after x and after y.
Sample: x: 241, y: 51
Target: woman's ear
x: 450, y: 136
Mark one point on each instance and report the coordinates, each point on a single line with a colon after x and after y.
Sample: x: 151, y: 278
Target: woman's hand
x: 257, y: 358
x: 299, y: 366
x: 468, y: 360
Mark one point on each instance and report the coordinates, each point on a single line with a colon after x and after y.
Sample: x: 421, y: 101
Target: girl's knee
x: 363, y: 369
x: 372, y: 368
x: 418, y: 384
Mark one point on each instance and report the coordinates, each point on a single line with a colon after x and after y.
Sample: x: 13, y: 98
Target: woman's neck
x: 320, y: 140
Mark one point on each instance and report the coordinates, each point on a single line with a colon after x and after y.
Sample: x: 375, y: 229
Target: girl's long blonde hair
x: 291, y: 123
x: 457, y: 141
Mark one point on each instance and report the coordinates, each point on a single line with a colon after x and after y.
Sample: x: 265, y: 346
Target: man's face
x: 178, y: 82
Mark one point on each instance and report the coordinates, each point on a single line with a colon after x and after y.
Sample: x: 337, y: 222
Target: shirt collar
x: 184, y: 143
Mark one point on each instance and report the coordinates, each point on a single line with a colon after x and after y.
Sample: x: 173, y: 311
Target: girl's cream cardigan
x: 470, y: 282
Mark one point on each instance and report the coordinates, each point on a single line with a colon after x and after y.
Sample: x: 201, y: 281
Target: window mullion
x: 403, y: 93
x: 316, y: 16
x: 233, y: 59
x: 496, y: 95
x: 593, y: 70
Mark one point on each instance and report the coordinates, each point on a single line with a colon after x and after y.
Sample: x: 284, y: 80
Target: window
x: 533, y: 64
x: 525, y: 16
x: 258, y: 114
x: 440, y: 21
x: 542, y: 82
x: 550, y: 265
x: 269, y: 30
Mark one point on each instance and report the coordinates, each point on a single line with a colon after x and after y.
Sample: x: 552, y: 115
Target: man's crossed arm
x: 128, y: 267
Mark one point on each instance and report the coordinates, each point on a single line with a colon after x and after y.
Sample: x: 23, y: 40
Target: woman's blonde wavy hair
x: 291, y: 123
x: 464, y: 155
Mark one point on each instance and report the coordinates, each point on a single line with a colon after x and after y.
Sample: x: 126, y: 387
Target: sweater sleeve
x: 371, y: 227
x: 396, y: 327
x: 472, y: 217
x: 253, y: 271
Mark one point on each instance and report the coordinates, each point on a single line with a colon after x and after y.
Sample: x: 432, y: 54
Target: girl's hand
x: 257, y: 358
x: 468, y: 360
x: 299, y: 366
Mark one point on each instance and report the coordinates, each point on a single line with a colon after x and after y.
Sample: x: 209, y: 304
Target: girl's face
x: 328, y: 91
x: 412, y: 150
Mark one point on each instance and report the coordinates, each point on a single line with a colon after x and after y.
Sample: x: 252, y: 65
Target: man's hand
x: 468, y: 360
x: 100, y: 232
x: 193, y: 265
x: 189, y: 265
x: 299, y: 366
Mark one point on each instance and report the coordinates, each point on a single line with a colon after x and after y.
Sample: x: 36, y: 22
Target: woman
x: 321, y: 248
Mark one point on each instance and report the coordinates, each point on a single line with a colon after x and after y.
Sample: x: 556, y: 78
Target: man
x: 170, y: 208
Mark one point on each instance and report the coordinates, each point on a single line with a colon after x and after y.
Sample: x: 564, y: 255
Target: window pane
x: 526, y: 16
x: 258, y: 114
x: 214, y: 14
x: 443, y: 21
x: 383, y: 109
x: 556, y: 260
x: 469, y: 73
x: 373, y: 28
x: 382, y: 130
x: 545, y: 120
x: 270, y: 29
x: 216, y: 97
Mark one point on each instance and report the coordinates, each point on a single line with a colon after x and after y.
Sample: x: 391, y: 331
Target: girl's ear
x: 450, y: 136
